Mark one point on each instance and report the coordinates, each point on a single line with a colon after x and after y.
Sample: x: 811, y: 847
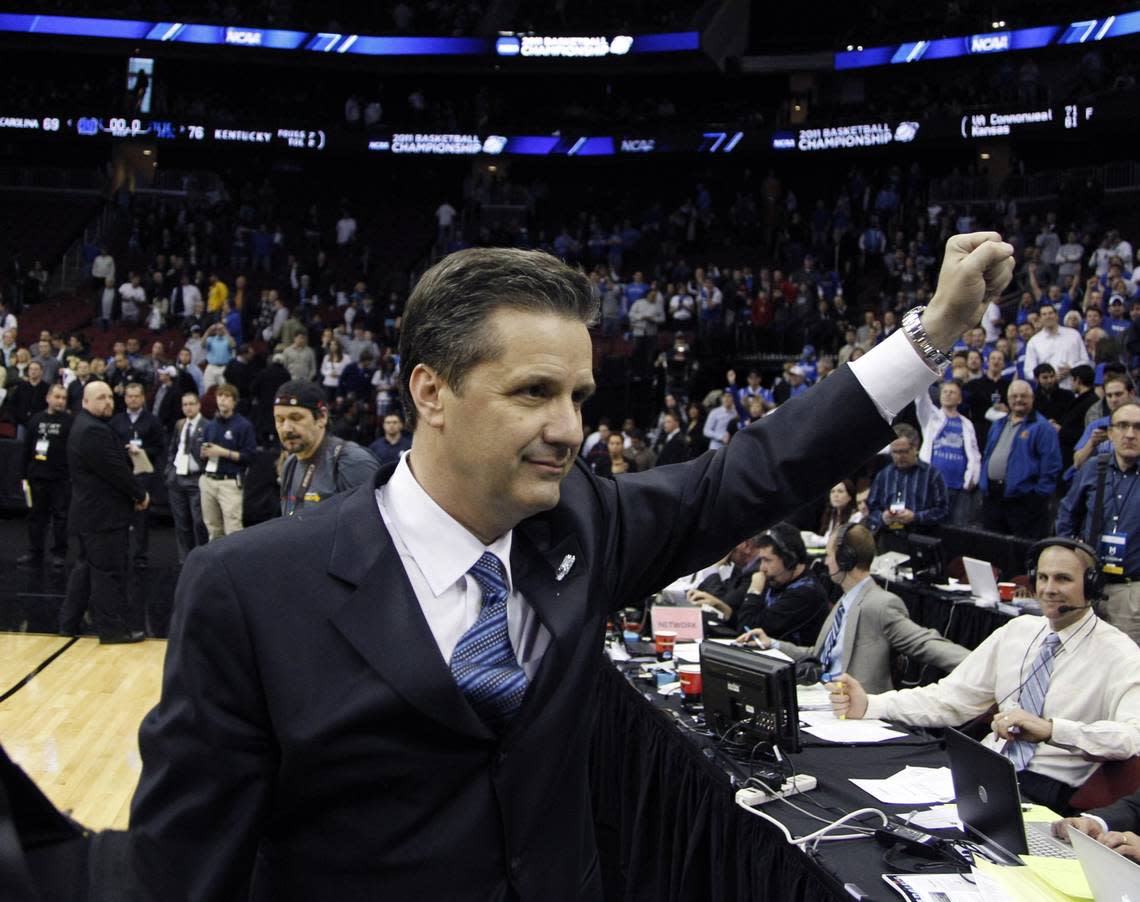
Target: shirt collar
x: 442, y: 547
x: 1068, y: 632
x: 851, y: 594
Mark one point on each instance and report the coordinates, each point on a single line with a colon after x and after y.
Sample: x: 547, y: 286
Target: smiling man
x: 388, y: 697
x: 1067, y: 686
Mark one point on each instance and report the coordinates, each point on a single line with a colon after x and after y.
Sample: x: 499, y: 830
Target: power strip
x: 792, y: 786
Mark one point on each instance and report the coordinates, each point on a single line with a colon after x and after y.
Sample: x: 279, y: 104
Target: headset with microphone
x: 1093, y: 576
x: 846, y: 558
x: 789, y: 545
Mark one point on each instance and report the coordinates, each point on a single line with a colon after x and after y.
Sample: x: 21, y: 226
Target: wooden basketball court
x: 73, y: 725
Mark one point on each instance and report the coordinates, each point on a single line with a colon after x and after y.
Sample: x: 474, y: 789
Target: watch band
x: 912, y: 327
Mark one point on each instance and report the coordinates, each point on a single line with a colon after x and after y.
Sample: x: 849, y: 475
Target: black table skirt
x: 964, y: 623
x: 668, y: 826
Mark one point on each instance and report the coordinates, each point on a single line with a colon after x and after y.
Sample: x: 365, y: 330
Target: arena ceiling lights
x: 505, y: 45
x: 1081, y: 32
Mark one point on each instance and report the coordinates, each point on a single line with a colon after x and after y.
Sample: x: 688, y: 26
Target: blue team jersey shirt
x: 948, y: 454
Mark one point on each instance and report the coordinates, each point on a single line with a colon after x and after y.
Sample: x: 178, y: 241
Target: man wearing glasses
x: 1116, y: 532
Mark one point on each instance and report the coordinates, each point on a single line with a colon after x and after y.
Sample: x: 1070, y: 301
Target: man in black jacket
x: 674, y: 448
x: 45, y: 464
x: 105, y: 495
x: 144, y: 439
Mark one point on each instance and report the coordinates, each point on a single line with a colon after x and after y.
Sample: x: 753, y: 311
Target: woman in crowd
x: 613, y: 462
x: 841, y: 509
x: 331, y: 368
x: 694, y: 430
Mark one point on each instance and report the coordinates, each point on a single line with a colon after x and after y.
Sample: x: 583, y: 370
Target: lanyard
x: 1121, y: 504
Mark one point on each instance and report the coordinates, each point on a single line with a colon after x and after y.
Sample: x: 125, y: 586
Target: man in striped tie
x: 1066, y: 685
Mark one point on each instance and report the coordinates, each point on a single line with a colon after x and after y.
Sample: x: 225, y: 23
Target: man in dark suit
x: 674, y: 448
x: 388, y: 696
x: 183, y: 467
x: 104, y: 496
x: 144, y: 439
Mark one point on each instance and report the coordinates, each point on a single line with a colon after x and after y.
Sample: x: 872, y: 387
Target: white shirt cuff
x: 1100, y: 820
x: 893, y: 373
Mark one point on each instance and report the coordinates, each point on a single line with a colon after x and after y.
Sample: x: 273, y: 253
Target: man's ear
x: 427, y: 389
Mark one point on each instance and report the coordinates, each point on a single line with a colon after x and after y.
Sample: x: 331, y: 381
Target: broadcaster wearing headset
x: 1066, y: 685
x: 864, y: 627
x: 784, y: 597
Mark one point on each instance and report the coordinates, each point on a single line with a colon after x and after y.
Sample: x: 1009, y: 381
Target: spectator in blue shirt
x: 1020, y: 467
x: 220, y: 347
x: 1117, y: 535
x: 1118, y: 325
x: 228, y: 448
x: 907, y: 493
x: 1094, y: 440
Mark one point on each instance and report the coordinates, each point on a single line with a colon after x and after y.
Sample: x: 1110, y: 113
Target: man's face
x: 133, y: 398
x: 225, y: 406
x: 1025, y: 331
x: 190, y: 406
x: 44, y: 348
x: 1125, y: 433
x: 670, y: 424
x: 1019, y: 398
x: 1060, y: 581
x: 950, y: 396
x: 1115, y: 394
x: 1047, y: 380
x: 393, y: 426
x: 132, y: 345
x: 35, y: 372
x: 503, y: 445
x: 98, y: 400
x: 297, y: 427
x: 997, y: 361
x: 83, y: 369
x: 743, y: 553
x: 157, y: 349
x: 773, y: 568
x: 904, y: 455
x: 726, y: 401
x: 1048, y: 317
x: 57, y: 399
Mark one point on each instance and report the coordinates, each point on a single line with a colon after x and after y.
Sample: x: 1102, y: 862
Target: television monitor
x: 753, y: 693
x: 926, y: 558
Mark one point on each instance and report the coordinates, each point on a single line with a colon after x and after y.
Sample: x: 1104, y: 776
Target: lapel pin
x: 564, y: 567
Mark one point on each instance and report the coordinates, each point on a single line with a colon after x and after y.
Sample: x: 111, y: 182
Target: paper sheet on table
x: 911, y: 786
x: 989, y: 889
x: 825, y: 725
x: 933, y: 887
x: 813, y: 698
x: 768, y: 652
x: 1064, y: 874
x: 939, y: 817
x: 1035, y: 813
x: 687, y: 651
x: 1022, y: 884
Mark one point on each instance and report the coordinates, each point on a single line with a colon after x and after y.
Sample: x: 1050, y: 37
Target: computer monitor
x: 926, y: 558
x: 753, y: 693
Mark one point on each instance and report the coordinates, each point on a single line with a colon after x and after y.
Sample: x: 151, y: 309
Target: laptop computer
x: 989, y: 802
x: 1111, y: 876
x: 980, y: 574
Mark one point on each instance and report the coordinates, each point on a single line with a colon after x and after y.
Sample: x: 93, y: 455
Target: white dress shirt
x: 437, y: 551
x: 1093, y: 698
x: 1064, y: 348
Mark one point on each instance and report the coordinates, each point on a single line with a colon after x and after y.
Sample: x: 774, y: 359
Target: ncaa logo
x: 989, y: 43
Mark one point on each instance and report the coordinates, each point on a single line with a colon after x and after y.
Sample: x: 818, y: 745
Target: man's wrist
x: 942, y: 334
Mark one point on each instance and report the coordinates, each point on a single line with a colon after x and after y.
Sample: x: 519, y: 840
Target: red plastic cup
x: 663, y: 641
x: 1006, y: 590
x: 690, y: 677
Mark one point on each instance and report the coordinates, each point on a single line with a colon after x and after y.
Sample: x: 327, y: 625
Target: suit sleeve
x: 110, y: 462
x: 907, y: 637
x: 208, y: 749
x: 658, y: 525
x: 1049, y: 450
x: 1123, y: 814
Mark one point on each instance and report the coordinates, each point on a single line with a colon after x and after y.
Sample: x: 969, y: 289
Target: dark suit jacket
x: 1123, y: 814
x: 146, y: 428
x: 310, y: 734
x: 103, y: 487
x: 674, y: 451
x: 194, y: 445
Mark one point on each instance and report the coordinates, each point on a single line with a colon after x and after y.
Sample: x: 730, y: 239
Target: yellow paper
x: 1064, y: 874
x: 1038, y: 813
x: 1022, y: 884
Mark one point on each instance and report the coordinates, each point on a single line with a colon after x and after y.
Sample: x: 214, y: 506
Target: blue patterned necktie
x: 483, y: 662
x: 1032, y: 699
x: 827, y: 656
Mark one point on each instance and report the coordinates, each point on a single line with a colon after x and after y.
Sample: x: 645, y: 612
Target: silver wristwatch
x: 912, y: 326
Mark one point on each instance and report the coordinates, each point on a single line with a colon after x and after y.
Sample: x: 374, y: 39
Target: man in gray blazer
x: 865, y: 626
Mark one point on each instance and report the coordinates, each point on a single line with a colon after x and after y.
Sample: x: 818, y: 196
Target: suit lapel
x: 852, y: 625
x: 383, y: 620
